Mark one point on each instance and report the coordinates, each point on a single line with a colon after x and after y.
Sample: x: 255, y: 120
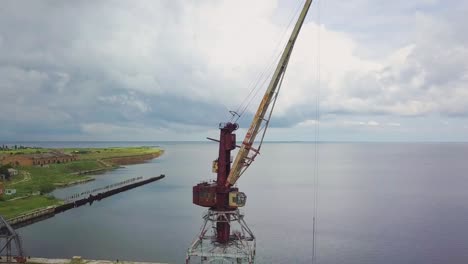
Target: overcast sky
x: 171, y: 70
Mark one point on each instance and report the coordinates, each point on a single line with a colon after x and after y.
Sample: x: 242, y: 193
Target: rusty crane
x: 217, y: 241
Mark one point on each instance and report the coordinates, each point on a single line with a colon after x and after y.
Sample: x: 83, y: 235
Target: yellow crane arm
x: 243, y: 160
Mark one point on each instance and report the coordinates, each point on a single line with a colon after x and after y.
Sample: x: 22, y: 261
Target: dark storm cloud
x: 55, y: 75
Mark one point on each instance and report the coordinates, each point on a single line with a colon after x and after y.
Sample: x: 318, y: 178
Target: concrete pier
x: 95, y: 195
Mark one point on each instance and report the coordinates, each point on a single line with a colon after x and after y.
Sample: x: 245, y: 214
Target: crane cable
x: 264, y: 128
x: 267, y: 122
x: 266, y: 73
x: 270, y: 69
x: 317, y: 137
x: 280, y: 52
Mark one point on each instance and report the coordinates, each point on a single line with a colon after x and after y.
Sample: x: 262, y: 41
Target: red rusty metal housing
x: 216, y: 195
x: 204, y: 194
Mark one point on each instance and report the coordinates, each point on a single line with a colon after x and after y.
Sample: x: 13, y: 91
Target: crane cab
x: 205, y: 194
x: 237, y: 199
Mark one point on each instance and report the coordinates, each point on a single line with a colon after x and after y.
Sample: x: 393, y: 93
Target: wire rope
x: 316, y: 141
x: 275, y: 62
x: 267, y: 72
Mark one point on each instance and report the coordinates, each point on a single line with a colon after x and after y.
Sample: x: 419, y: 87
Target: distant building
x: 12, y: 172
x: 38, y: 159
x: 10, y: 191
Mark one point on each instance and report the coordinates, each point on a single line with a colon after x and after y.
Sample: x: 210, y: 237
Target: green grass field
x: 107, y: 153
x: 10, y: 209
x: 23, y: 151
x: 90, y: 153
x: 44, y: 179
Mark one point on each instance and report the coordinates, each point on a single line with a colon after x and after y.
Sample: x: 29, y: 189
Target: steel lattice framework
x: 8, y: 239
x: 239, y: 249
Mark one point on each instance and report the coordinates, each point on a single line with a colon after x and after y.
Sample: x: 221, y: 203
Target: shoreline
x: 68, y: 184
x: 40, y: 214
x: 32, y: 193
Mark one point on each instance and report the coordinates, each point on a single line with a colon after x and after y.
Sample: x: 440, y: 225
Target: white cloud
x: 176, y: 61
x: 123, y: 101
x: 308, y: 123
x: 370, y: 123
x: 393, y: 124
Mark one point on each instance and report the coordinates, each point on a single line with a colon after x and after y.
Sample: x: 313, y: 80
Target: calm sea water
x: 378, y: 203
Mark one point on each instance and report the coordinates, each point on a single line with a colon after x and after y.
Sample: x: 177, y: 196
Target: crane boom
x: 243, y: 160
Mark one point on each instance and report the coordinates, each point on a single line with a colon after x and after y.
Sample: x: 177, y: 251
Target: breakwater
x: 79, y: 200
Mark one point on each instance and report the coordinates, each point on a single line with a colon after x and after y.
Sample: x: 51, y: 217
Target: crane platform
x: 240, y: 247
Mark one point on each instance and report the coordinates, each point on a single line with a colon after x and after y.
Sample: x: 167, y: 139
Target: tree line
x: 4, y: 147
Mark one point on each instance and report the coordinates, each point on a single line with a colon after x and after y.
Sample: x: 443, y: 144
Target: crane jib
x: 242, y: 160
